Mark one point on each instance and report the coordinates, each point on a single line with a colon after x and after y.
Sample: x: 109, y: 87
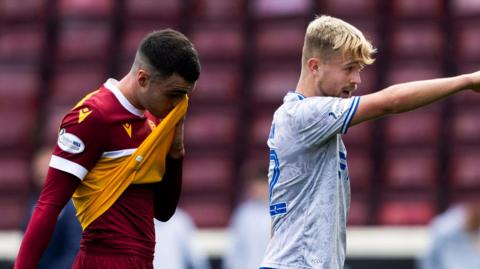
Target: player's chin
x: 345, y: 94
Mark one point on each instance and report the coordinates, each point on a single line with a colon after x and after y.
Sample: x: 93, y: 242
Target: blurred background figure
x: 174, y: 248
x: 250, y: 224
x: 455, y: 239
x: 64, y: 245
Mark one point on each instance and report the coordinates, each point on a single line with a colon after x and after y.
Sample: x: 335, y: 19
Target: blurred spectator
x: 250, y: 225
x: 455, y: 242
x: 174, y: 248
x: 65, y: 242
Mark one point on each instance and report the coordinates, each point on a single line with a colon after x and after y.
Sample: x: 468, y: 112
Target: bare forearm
x: 407, y: 96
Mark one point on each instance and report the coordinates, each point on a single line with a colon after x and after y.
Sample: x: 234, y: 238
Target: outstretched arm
x: 58, y: 189
x: 411, y: 95
x: 167, y: 192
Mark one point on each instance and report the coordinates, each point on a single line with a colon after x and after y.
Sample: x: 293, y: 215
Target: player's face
x: 162, y: 95
x: 338, y: 77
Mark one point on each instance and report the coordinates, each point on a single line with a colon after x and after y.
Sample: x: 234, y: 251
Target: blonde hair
x: 326, y: 35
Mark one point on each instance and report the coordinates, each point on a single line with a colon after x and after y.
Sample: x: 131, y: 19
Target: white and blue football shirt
x: 309, y: 182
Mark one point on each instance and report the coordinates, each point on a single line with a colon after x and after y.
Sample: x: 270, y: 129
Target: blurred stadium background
x: 404, y: 169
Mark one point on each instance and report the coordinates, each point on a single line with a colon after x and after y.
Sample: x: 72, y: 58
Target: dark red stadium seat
x: 420, y: 127
x: 211, y: 127
x: 83, y: 40
x: 85, y: 8
x: 135, y: 31
x: 222, y: 41
x: 51, y: 126
x: 466, y: 98
x: 414, y: 39
x: 281, y: 8
x: 465, y: 168
x: 417, y: 9
x: 148, y: 9
x: 468, y: 42
x: 21, y: 42
x: 257, y: 161
x: 260, y: 128
x: 405, y: 71
x: 347, y: 8
x: 218, y: 10
x: 369, y: 29
x: 406, y: 211
x: 466, y: 125
x: 208, y: 173
x: 465, y: 7
x: 18, y: 127
x: 72, y: 82
x: 218, y: 83
x: 369, y: 79
x: 13, y: 208
x: 358, y: 214
x: 25, y: 9
x: 360, y: 169
x: 282, y: 39
x: 15, y: 174
x: 209, y: 211
x: 19, y: 85
x: 459, y: 196
x: 411, y: 169
x: 272, y: 82
x: 359, y: 136
x: 18, y: 105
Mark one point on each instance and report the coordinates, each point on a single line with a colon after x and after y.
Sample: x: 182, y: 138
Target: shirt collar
x: 293, y: 96
x: 111, y: 84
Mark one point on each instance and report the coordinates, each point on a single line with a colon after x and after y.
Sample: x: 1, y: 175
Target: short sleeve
x: 319, y: 118
x: 80, y: 141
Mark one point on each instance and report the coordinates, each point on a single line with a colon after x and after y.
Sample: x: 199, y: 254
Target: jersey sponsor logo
x: 128, y: 128
x: 83, y: 114
x: 278, y: 208
x: 70, y: 143
x: 151, y: 124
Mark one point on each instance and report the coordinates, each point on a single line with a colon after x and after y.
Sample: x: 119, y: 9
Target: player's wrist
x: 472, y: 81
x: 177, y: 153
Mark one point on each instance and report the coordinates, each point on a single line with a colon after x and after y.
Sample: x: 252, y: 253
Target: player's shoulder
x: 102, y: 99
x: 303, y: 108
x: 319, y: 104
x: 89, y: 110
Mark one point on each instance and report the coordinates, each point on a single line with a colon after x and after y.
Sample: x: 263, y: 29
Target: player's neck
x: 306, y: 86
x: 127, y: 88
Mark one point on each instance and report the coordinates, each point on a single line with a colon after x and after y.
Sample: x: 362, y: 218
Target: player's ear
x: 313, y: 65
x: 142, y: 77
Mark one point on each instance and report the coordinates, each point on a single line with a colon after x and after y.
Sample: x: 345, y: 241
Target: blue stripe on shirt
x: 350, y: 114
x: 276, y: 171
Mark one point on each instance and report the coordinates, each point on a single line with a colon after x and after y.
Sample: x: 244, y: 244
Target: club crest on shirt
x: 128, y: 128
x: 69, y: 142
